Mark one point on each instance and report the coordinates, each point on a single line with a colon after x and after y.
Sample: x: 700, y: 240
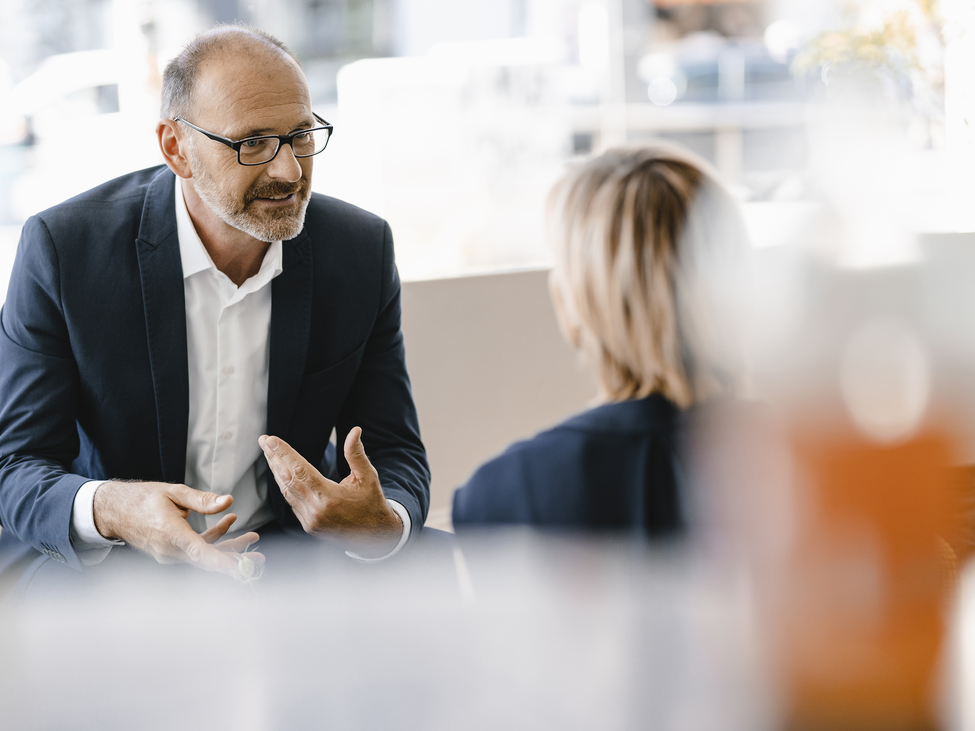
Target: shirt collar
x: 195, y: 257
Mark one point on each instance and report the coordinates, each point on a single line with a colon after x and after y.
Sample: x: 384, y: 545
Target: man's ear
x: 171, y: 144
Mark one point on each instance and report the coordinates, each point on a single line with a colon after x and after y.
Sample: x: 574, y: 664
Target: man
x: 158, y: 327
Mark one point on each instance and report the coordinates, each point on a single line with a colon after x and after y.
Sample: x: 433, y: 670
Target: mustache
x: 274, y: 189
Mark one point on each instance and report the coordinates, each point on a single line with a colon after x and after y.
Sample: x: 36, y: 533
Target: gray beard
x: 274, y: 226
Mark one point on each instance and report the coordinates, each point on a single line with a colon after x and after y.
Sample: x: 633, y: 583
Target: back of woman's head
x: 639, y: 235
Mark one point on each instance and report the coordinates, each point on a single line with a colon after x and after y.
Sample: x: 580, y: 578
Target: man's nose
x: 285, y: 165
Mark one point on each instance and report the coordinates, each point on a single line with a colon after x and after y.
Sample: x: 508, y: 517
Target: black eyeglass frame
x: 283, y: 140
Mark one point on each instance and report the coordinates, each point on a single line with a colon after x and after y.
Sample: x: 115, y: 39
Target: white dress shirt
x: 228, y: 350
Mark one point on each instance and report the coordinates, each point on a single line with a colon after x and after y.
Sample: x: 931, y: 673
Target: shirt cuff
x: 407, y: 527
x: 90, y: 545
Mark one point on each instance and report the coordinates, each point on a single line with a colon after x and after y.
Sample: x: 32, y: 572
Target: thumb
x: 355, y: 453
x: 207, y: 503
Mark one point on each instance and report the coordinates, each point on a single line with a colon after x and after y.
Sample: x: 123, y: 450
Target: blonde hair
x: 637, y: 232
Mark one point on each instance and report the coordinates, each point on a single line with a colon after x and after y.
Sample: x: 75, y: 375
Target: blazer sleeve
x: 500, y: 491
x: 39, y: 394
x: 381, y: 403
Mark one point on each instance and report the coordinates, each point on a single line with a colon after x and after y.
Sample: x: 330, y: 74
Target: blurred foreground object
x: 845, y: 497
x: 523, y: 630
x: 869, y: 580
x: 847, y: 541
x: 527, y: 631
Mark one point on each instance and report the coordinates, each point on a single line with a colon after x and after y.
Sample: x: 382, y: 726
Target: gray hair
x: 180, y: 75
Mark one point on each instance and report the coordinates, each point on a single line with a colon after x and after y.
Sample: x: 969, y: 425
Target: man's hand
x: 355, y: 510
x: 151, y: 516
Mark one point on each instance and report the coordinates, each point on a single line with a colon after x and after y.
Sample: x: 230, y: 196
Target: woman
x: 644, y: 238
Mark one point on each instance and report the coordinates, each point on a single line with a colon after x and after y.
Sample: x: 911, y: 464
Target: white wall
x: 488, y: 366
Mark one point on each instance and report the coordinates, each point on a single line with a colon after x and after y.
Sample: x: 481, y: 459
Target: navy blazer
x: 93, y: 372
x: 613, y: 467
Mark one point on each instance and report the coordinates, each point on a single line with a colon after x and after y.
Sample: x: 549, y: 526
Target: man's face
x: 244, y: 97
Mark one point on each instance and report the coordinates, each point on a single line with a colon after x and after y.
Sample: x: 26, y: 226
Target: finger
x: 240, y: 544
x: 291, y: 471
x: 207, y: 503
x: 192, y: 549
x: 355, y: 455
x: 214, y: 533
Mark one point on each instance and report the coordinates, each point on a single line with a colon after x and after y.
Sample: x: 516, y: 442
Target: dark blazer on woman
x: 613, y: 467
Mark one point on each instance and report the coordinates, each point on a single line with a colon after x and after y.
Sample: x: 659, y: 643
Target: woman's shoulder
x: 636, y: 416
x: 642, y: 418
x: 507, y: 487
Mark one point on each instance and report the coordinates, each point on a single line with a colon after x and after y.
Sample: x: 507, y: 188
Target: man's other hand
x: 151, y: 516
x: 355, y: 510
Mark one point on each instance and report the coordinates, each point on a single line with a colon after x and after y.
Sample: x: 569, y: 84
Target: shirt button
x: 226, y: 435
x: 228, y: 370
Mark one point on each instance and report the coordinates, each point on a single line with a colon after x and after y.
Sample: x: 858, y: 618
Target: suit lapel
x: 291, y: 294
x: 161, y: 272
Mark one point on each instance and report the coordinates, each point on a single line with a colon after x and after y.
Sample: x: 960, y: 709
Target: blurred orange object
x: 868, y: 579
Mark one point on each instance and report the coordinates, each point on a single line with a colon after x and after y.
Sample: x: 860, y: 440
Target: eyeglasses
x: 263, y: 149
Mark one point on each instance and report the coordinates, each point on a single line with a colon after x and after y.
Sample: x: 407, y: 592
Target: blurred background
x: 453, y: 118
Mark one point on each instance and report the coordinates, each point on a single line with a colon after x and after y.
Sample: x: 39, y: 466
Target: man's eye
x: 253, y: 143
x: 301, y: 136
